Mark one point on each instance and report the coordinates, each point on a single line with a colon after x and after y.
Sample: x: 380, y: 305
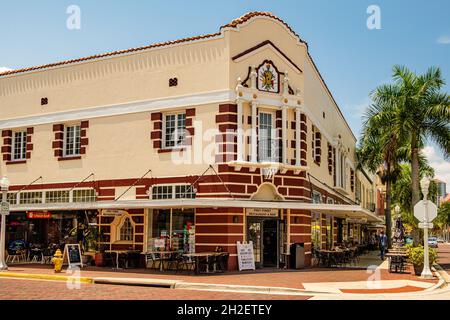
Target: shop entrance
x: 264, y: 233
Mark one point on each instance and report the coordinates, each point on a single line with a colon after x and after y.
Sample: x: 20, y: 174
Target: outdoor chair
x: 186, y: 264
x: 13, y: 256
x: 202, y: 264
x: 47, y: 255
x: 222, y: 262
x: 173, y: 264
x: 152, y: 262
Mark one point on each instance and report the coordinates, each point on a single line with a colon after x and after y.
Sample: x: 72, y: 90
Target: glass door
x: 255, y: 229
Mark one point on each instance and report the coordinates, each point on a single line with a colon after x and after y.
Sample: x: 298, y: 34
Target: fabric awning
x: 342, y: 211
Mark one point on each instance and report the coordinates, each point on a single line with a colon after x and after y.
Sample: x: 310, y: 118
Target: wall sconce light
x: 235, y: 219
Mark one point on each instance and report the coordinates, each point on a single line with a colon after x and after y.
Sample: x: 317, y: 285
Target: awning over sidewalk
x: 342, y: 211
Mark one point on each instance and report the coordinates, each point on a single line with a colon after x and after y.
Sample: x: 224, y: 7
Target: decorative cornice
x: 119, y: 109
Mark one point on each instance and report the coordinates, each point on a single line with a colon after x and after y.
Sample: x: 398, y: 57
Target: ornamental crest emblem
x: 268, y: 77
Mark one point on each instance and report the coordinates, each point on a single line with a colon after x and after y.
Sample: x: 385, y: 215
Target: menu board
x: 72, y: 255
x: 246, y: 258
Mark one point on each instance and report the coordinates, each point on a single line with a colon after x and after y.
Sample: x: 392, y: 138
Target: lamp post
x: 4, y: 186
x: 426, y: 273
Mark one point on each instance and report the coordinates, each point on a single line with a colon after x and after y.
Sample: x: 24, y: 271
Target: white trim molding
x: 170, y: 103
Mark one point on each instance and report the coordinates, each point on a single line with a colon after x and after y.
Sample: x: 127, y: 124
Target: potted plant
x: 416, y: 255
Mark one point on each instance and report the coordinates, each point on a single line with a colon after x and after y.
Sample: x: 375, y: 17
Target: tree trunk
x: 387, y: 212
x: 415, y: 172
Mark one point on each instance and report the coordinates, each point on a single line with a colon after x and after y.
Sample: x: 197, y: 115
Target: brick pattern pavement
x: 272, y: 278
x: 19, y: 289
x: 444, y: 256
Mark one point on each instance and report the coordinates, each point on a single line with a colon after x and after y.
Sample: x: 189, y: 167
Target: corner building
x: 202, y: 142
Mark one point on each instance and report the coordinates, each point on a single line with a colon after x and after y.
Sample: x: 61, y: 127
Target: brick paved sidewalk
x: 266, y: 278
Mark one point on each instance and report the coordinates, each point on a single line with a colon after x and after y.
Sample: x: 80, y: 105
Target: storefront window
x: 329, y: 232
x: 315, y: 231
x: 176, y: 227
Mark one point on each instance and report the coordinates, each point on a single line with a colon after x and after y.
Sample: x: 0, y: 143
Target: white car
x: 432, y: 242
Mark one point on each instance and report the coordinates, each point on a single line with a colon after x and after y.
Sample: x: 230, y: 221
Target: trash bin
x: 297, y: 256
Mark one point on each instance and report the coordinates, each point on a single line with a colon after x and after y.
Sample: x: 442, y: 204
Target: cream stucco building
x: 202, y: 142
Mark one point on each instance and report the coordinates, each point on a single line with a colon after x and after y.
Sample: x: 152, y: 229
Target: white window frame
x: 175, y: 133
x: 315, y: 194
x: 22, y: 148
x: 131, y: 229
x: 274, y: 148
x: 173, y: 193
x: 76, y: 151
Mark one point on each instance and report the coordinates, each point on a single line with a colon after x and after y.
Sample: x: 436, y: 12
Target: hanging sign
x: 39, y: 215
x: 246, y: 258
x: 72, y: 255
x: 262, y: 212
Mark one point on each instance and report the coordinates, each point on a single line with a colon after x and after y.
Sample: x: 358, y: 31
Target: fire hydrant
x: 57, y: 261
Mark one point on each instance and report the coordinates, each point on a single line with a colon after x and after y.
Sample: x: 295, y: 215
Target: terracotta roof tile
x: 232, y: 24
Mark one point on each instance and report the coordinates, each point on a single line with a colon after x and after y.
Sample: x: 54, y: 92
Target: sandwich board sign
x: 246, y: 258
x: 72, y: 255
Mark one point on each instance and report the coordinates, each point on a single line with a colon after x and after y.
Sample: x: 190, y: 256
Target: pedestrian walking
x: 383, y: 244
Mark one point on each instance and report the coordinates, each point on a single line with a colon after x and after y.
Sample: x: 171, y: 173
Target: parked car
x: 432, y: 242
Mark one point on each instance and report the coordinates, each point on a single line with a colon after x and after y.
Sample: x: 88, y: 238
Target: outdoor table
x: 202, y: 254
x: 162, y: 254
x: 396, y: 260
x: 117, y: 253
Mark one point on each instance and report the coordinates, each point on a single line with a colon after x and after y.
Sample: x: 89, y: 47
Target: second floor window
x: 20, y: 145
x: 72, y: 140
x: 174, y: 129
x: 267, y: 144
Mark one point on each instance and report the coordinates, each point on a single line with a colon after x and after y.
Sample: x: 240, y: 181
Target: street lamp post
x: 4, y: 186
x: 426, y: 273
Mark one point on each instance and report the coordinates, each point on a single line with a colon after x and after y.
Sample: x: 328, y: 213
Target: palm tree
x: 401, y: 194
x: 419, y: 111
x: 380, y: 151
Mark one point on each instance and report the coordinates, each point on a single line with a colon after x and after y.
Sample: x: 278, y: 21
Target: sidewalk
x: 306, y: 281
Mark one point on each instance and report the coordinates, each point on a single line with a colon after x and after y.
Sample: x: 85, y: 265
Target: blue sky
x: 352, y: 59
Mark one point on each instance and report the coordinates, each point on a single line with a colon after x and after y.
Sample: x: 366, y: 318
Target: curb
x: 246, y: 289
x: 44, y: 277
x: 159, y: 283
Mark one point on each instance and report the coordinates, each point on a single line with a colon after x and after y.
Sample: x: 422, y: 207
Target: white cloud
x: 4, y: 69
x: 441, y: 167
x: 443, y: 39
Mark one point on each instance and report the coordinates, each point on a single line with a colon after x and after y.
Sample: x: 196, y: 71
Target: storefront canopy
x: 337, y: 210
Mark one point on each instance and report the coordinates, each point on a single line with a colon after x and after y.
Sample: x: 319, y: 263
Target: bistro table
x: 202, y: 254
x: 397, y: 260
x: 117, y: 253
x: 162, y: 254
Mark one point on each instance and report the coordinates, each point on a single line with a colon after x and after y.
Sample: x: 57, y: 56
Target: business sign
x: 112, y: 213
x: 354, y: 220
x: 39, y: 215
x: 262, y: 212
x: 159, y: 243
x: 246, y: 258
x: 72, y: 255
x: 4, y: 208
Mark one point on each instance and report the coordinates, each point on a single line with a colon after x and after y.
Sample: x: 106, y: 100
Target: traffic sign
x: 428, y: 225
x: 419, y: 211
x: 4, y: 208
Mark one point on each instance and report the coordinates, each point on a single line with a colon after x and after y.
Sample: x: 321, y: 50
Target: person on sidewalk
x: 383, y: 244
